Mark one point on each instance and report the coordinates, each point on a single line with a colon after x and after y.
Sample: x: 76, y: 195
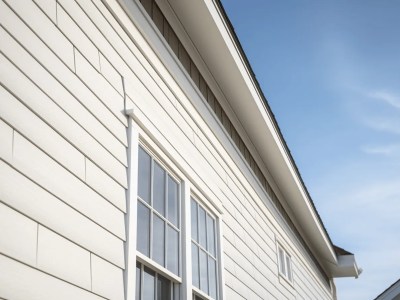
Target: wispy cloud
x: 380, y: 123
x: 392, y: 150
x: 389, y: 97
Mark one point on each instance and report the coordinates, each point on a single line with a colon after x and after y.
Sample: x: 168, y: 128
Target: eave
x: 213, y: 36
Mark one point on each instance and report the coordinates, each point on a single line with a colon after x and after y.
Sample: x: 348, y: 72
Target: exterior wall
x: 63, y: 164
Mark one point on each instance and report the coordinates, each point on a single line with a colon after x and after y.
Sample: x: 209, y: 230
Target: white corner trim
x: 131, y: 210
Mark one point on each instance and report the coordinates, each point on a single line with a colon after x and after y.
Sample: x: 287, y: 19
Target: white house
x: 139, y: 160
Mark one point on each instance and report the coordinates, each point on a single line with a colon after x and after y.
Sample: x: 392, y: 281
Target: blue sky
x: 331, y: 73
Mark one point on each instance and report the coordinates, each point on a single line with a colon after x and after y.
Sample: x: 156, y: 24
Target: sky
x: 331, y: 73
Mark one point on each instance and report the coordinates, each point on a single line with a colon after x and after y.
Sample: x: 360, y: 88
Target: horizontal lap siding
x: 175, y: 124
x: 63, y: 77
x: 252, y: 230
x: 62, y: 159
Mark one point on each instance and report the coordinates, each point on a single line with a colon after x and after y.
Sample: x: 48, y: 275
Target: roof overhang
x: 209, y: 30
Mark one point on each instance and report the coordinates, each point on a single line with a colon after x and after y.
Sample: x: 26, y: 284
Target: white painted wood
x: 27, y: 197
x: 77, y: 37
x: 63, y: 259
x: 49, y: 7
x: 42, y: 169
x: 65, y: 84
x: 18, y: 235
x: 43, y: 106
x: 131, y: 208
x: 109, y: 72
x: 105, y: 185
x: 107, y: 279
x: 186, y: 240
x: 30, y: 125
x: 19, y: 281
x: 44, y: 28
x: 100, y: 86
x: 6, y: 138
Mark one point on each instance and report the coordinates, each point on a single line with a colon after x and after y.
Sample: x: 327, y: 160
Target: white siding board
x: 43, y: 27
x: 105, y: 185
x: 18, y: 235
x: 107, y: 279
x: 41, y: 168
x: 32, y: 200
x: 66, y: 85
x: 30, y: 125
x: 49, y: 7
x: 109, y: 72
x: 230, y: 293
x: 63, y: 259
x: 20, y: 282
x: 77, y: 37
x: 44, y: 107
x: 6, y: 138
x: 100, y: 86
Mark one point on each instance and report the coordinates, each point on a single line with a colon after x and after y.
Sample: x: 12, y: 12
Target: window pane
x: 159, y: 189
x: 158, y: 239
x: 173, y: 250
x: 289, y: 268
x: 202, y: 227
x: 173, y: 207
x: 144, y: 175
x: 163, y: 288
x: 195, y: 265
x: 212, y: 277
x: 282, y: 262
x: 194, y: 220
x: 203, y: 272
x: 138, y: 281
x: 177, y: 291
x: 148, y: 285
x: 211, y: 235
x: 143, y: 229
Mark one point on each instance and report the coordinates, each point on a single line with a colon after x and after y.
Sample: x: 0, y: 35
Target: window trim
x: 216, y: 216
x: 188, y: 188
x: 287, y: 273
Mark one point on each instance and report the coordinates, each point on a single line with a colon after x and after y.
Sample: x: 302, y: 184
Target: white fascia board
x: 236, y: 82
x: 346, y: 267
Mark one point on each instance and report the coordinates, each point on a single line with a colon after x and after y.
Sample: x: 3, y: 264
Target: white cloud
x: 392, y: 150
x: 384, y: 124
x: 388, y: 97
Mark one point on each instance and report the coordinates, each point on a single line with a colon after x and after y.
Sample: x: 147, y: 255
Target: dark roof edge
x: 392, y: 285
x: 259, y: 89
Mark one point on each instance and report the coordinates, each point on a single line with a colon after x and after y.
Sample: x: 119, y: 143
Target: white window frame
x: 138, y: 137
x: 217, y: 215
x: 142, y: 257
x: 285, y: 267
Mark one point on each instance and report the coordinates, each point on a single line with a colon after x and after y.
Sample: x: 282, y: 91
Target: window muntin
x: 158, y: 213
x: 153, y: 286
x: 204, y: 258
x: 285, y: 264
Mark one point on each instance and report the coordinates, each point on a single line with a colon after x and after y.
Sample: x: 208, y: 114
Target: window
x: 153, y: 286
x: 204, y: 252
x: 285, y: 264
x: 158, y: 229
